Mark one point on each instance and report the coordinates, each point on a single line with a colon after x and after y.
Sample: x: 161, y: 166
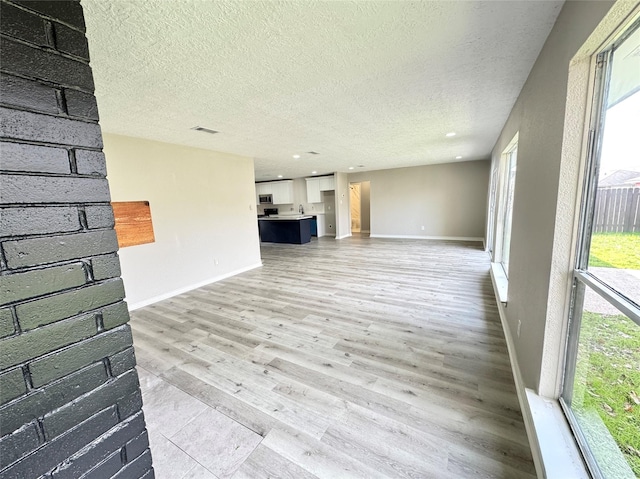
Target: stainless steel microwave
x: 265, y: 199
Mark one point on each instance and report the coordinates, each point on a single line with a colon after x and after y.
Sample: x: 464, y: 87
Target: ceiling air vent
x: 206, y: 130
x: 313, y: 152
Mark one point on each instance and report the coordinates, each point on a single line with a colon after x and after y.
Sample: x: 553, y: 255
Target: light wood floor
x: 353, y: 358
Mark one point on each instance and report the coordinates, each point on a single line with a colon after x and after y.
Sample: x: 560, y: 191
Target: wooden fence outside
x: 617, y: 210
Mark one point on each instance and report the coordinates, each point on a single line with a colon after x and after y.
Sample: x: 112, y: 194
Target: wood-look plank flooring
x: 353, y: 358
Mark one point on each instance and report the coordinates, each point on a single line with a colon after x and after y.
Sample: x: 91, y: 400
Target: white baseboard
x: 343, y: 236
x: 447, y: 238
x: 175, y: 292
x: 519, y: 383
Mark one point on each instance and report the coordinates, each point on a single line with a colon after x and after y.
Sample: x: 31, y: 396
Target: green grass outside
x: 608, y: 379
x: 615, y: 250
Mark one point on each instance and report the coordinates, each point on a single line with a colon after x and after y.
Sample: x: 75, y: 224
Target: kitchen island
x: 285, y: 229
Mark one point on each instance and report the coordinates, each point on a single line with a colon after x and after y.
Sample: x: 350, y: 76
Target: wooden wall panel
x: 133, y: 222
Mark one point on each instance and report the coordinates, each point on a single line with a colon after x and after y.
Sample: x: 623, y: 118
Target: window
x: 508, y: 163
x: 493, y: 182
x: 601, y: 386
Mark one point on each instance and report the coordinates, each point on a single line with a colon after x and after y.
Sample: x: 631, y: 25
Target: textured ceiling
x: 367, y: 83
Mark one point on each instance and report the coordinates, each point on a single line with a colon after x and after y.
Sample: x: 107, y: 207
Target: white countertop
x: 287, y: 217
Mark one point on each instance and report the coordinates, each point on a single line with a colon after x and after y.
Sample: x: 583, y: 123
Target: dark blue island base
x: 285, y: 231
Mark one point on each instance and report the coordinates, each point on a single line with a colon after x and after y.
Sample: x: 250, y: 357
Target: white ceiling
x: 368, y: 83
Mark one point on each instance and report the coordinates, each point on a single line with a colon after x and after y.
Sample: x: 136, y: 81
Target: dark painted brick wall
x: 70, y: 402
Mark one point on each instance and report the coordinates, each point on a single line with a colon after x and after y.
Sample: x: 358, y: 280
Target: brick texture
x: 18, y: 444
x: 22, y: 189
x: 99, y: 216
x: 115, y: 315
x: 107, y: 468
x: 33, y: 158
x: 12, y: 385
x: 65, y: 11
x: 61, y: 363
x: 30, y: 252
x: 28, y: 60
x: 31, y: 344
x: 38, y: 282
x: 105, y: 267
x: 60, y: 448
x: 23, y: 24
x: 70, y: 401
x: 7, y: 327
x: 39, y: 402
x: 29, y: 94
x: 28, y: 126
x: 135, y: 468
x: 104, y: 447
x: 91, y: 163
x: 122, y: 361
x: 51, y: 309
x: 81, y: 104
x: 71, y: 41
x: 37, y: 220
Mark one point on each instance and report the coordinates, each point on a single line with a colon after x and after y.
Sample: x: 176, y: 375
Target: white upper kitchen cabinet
x: 327, y: 183
x: 282, y: 192
x: 261, y: 189
x: 313, y: 190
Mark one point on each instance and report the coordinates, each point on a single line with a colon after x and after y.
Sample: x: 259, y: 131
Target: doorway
x: 359, y: 201
x: 356, y: 207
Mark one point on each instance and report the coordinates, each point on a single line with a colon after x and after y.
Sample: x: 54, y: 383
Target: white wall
x: 365, y: 206
x: 343, y: 213
x: 203, y: 211
x: 539, y: 117
x: 447, y: 199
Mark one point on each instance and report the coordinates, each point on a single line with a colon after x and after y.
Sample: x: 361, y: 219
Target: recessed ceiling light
x: 205, y: 130
x: 351, y: 167
x: 296, y: 156
x: 279, y: 176
x: 450, y: 134
x: 313, y: 172
x: 458, y: 157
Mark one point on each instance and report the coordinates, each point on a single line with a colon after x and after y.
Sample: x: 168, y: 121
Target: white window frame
x: 492, y: 207
x: 583, y: 280
x: 506, y: 158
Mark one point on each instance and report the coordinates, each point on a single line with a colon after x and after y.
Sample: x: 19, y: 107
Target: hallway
x: 354, y: 358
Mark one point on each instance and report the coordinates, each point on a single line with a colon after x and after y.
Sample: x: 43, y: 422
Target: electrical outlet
x: 519, y: 324
x: 422, y: 228
x: 215, y: 261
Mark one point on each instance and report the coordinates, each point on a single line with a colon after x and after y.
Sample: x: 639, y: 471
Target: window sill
x: 500, y: 282
x: 559, y: 452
